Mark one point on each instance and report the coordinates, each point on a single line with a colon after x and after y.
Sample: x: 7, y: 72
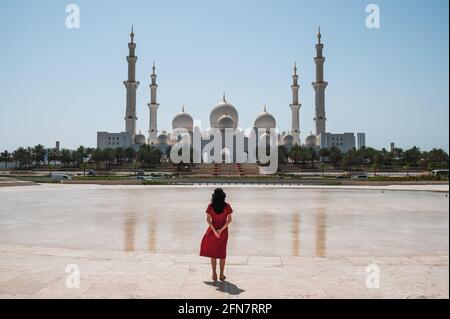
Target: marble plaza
x: 285, y: 242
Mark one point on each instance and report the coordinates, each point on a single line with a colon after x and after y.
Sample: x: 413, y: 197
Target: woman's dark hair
x: 218, y: 200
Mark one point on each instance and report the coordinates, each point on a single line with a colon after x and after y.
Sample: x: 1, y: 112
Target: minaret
x: 153, y: 106
x: 319, y: 86
x: 295, y: 107
x: 131, y: 85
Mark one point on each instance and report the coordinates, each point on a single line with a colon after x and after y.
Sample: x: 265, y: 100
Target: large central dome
x: 221, y: 109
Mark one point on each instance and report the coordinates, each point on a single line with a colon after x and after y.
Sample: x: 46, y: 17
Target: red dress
x: 212, y: 246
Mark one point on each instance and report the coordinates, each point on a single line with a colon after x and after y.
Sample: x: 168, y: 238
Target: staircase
x: 240, y: 170
x: 225, y: 169
x: 215, y: 171
x: 250, y: 169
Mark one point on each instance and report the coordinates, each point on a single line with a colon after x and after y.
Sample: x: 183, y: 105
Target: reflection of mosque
x: 223, y: 116
x: 319, y: 233
x: 320, y: 242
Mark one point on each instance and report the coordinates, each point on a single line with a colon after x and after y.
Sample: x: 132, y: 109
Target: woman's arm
x: 227, y: 223
x: 209, y: 221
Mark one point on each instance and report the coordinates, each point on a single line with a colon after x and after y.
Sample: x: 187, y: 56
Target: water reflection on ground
x: 267, y: 221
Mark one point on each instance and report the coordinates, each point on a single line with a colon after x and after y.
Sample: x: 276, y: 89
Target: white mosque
x: 225, y: 116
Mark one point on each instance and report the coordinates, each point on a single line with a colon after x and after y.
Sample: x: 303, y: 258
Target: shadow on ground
x: 225, y: 286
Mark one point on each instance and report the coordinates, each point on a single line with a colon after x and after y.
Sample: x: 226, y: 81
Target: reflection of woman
x: 214, y: 243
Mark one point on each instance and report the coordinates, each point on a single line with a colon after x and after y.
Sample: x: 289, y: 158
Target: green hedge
x: 421, y: 178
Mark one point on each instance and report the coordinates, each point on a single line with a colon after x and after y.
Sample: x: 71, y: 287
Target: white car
x: 360, y: 177
x: 59, y: 177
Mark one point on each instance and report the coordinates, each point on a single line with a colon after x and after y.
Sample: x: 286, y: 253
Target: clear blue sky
x: 66, y: 84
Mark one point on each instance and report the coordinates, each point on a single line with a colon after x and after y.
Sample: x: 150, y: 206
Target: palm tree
x: 348, y: 161
x: 438, y: 157
x: 282, y: 154
x: 98, y: 156
x: 29, y: 156
x: 376, y: 164
x: 108, y: 156
x: 54, y: 155
x: 83, y: 166
x: 313, y: 156
x: 295, y: 153
x: 80, y: 155
x: 150, y: 155
x: 135, y: 166
x: 6, y: 158
x: 335, y: 155
x: 358, y: 158
x: 50, y: 169
x: 324, y: 153
x: 119, y: 155
x: 39, y: 153
x: 412, y: 156
x: 398, y: 155
x: 20, y: 156
x: 322, y: 168
x: 130, y: 154
x: 66, y: 156
x: 300, y: 154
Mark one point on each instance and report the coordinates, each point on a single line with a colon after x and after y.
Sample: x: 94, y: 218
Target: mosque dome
x: 287, y: 139
x: 311, y: 140
x: 183, y: 121
x: 163, y: 139
x: 139, y: 139
x: 265, y: 120
x: 225, y: 121
x: 221, y: 109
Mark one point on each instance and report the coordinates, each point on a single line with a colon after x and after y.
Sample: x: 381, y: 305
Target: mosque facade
x: 225, y: 116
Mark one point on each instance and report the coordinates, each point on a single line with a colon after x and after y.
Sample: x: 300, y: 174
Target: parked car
x: 440, y: 172
x: 360, y: 177
x: 59, y: 177
x: 140, y: 172
x: 157, y: 176
x: 92, y: 173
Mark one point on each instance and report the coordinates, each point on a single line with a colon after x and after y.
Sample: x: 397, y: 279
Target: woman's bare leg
x: 222, y: 269
x: 214, y: 270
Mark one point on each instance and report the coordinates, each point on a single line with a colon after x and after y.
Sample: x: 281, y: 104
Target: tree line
x: 38, y: 156
x: 307, y: 157
x: 304, y: 157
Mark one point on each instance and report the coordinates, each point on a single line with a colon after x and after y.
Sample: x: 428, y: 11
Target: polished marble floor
x: 299, y: 242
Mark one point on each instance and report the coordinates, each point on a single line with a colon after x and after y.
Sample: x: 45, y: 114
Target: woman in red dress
x: 214, y: 243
